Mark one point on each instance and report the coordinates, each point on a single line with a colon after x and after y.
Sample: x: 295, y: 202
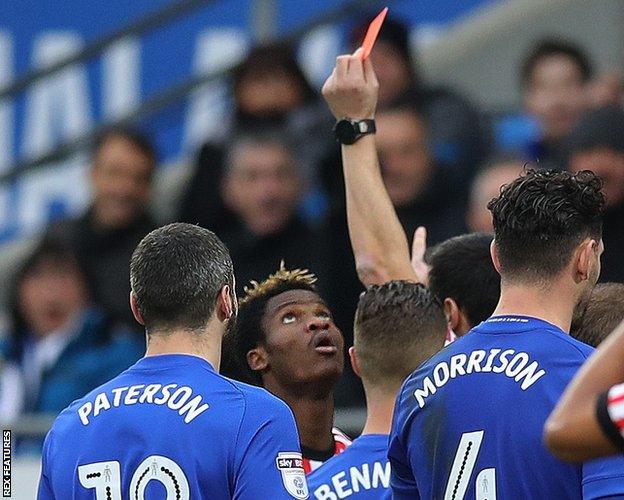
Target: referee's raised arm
x: 379, y: 244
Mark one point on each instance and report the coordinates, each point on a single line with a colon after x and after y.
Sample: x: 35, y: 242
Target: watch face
x: 345, y: 132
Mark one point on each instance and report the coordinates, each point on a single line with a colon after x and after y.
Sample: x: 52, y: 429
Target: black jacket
x: 105, y: 256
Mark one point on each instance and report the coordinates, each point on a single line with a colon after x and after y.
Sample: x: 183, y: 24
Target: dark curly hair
x: 248, y: 332
x: 541, y: 217
x: 398, y: 326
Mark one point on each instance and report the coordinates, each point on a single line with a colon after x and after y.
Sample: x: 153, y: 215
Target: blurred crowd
x: 272, y: 189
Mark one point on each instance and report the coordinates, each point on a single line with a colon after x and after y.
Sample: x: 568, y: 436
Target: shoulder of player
x: 573, y: 346
x: 257, y: 397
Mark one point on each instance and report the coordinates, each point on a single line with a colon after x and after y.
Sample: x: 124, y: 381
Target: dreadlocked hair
x: 248, y: 333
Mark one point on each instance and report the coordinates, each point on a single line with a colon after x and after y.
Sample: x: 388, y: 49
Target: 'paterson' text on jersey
x: 171, y: 427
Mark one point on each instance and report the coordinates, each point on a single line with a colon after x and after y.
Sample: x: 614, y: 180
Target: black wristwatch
x: 349, y: 131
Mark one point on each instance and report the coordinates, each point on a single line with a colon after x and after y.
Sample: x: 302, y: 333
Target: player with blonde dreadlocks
x: 286, y: 341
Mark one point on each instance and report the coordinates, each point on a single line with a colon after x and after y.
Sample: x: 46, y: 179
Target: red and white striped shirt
x: 610, y: 414
x: 312, y: 459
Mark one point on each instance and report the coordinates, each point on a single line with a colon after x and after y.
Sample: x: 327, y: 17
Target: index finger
x: 356, y: 69
x: 369, y: 72
x: 419, y: 244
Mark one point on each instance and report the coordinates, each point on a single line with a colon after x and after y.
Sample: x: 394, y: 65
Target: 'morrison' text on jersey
x: 468, y: 423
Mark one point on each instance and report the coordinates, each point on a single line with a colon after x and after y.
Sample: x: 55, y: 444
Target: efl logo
x: 6, y: 463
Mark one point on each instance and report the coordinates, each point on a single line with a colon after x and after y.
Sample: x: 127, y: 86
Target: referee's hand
x: 351, y: 90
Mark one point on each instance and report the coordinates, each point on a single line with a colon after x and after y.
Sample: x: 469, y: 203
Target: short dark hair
x: 551, y: 47
x: 249, y: 332
x: 541, y: 217
x: 603, y: 312
x: 266, y: 59
x: 133, y: 136
x: 462, y: 269
x: 176, y: 273
x: 398, y: 326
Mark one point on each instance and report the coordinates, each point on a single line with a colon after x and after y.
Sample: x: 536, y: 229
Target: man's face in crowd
x: 302, y: 342
x: 263, y: 187
x: 556, y: 95
x: 484, y: 189
x: 121, y: 180
x: 606, y: 164
x: 403, y: 153
x: 51, y: 295
x: 271, y: 93
x: 393, y: 72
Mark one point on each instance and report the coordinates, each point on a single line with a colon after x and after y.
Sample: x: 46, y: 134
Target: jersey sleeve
x: 269, y: 461
x: 603, y: 478
x: 45, y: 487
x: 402, y: 480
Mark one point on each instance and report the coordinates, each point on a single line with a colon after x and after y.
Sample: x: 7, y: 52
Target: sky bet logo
x: 289, y: 463
x: 6, y: 463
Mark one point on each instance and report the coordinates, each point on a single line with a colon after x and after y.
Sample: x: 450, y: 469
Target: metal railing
x: 162, y: 99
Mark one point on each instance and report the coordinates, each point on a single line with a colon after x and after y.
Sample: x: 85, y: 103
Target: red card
x: 372, y: 33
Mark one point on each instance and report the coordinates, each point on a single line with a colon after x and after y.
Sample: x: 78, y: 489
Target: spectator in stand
x: 603, y: 312
x: 263, y: 188
x: 105, y: 236
x: 597, y: 144
x: 62, y: 345
x: 455, y: 128
x: 554, y: 78
x: 487, y: 185
x: 269, y: 91
x: 418, y: 186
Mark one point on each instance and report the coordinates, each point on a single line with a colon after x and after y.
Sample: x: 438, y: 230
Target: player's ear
x: 225, y: 303
x: 452, y: 313
x: 257, y: 359
x: 583, y: 259
x: 354, y: 361
x: 135, y: 309
x: 495, y: 257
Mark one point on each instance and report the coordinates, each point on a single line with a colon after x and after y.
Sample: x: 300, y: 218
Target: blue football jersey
x: 361, y: 471
x: 468, y: 423
x: 171, y: 427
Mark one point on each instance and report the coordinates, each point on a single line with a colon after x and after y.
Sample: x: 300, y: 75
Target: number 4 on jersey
x: 461, y: 472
